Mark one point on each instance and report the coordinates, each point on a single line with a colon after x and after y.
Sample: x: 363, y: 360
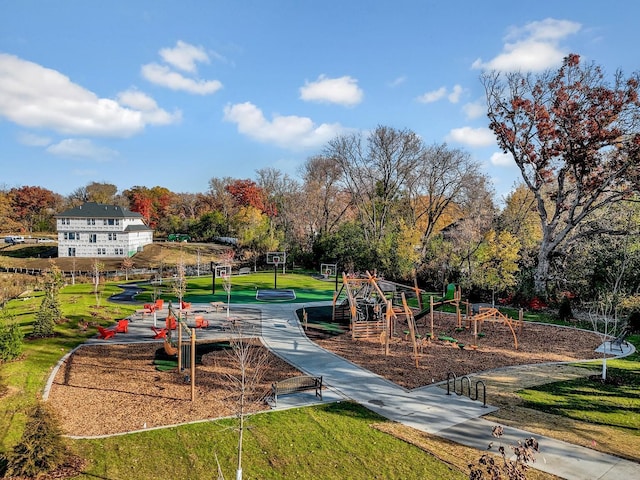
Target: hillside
x: 38, y: 256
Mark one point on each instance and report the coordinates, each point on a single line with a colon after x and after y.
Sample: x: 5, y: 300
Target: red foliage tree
x: 247, y: 193
x: 575, y: 139
x: 32, y: 206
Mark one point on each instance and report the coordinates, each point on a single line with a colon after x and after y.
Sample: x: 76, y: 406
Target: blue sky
x: 173, y: 93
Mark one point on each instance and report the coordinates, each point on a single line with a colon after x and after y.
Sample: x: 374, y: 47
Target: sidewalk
x: 428, y: 409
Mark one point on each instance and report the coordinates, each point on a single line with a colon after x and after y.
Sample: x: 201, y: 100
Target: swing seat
x: 159, y: 333
x: 170, y: 349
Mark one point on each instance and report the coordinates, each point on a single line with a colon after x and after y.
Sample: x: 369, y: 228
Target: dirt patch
x: 536, y: 344
x: 106, y: 389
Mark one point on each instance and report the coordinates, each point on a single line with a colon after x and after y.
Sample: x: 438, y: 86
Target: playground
x: 128, y: 382
x: 537, y: 343
x: 107, y: 388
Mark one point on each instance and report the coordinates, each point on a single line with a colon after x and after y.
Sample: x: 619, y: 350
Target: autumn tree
x: 280, y: 193
x: 7, y: 222
x: 247, y: 193
x: 519, y: 216
x: 152, y: 203
x: 219, y: 198
x: 33, y: 207
x: 574, y: 137
x: 496, y: 262
x: 127, y: 265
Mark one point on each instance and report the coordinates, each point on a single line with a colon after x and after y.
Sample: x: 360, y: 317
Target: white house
x: 99, y: 230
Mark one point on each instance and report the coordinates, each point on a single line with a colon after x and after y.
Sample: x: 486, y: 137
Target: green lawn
x: 244, y: 289
x: 333, y: 441
x: 615, y: 404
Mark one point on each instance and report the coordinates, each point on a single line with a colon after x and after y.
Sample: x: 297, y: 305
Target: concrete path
x: 428, y: 409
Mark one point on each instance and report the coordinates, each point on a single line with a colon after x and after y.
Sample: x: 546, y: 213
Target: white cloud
x: 38, y: 97
x: 151, y: 113
x: 456, y: 93
x: 184, y: 56
x: 290, y: 132
x: 343, y: 91
x: 432, y: 96
x: 474, y: 137
x: 475, y: 109
x: 165, y: 77
x: 500, y: 159
x: 81, y: 148
x: 33, y: 140
x: 534, y: 47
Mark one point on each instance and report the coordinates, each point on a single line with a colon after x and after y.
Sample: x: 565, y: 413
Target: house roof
x: 98, y: 210
x: 136, y: 228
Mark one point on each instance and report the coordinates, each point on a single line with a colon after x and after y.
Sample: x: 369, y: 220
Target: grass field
x: 334, y: 441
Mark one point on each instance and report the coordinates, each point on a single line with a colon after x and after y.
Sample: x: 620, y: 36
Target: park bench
x: 620, y: 340
x: 302, y: 383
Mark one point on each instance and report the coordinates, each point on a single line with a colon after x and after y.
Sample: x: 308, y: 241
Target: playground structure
x: 375, y: 306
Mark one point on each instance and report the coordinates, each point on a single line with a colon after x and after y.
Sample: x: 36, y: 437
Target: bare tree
x: 250, y: 362
x: 439, y: 186
x: 574, y: 138
x: 375, y: 171
x: 127, y: 265
x: 325, y: 200
x: 97, y: 267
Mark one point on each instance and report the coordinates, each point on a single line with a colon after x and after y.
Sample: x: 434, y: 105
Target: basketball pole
x: 275, y: 275
x: 213, y: 279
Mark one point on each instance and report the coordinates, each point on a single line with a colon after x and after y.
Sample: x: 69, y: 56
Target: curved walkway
x: 428, y: 409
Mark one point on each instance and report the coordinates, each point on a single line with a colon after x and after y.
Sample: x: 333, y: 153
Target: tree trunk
x: 541, y: 275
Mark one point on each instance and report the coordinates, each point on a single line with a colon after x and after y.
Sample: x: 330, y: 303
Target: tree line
x: 387, y: 201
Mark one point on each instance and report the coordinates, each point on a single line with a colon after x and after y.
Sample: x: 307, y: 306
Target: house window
x: 111, y: 221
x: 119, y: 251
x: 91, y: 221
x: 117, y: 221
x: 102, y: 251
x: 93, y: 238
x: 65, y: 221
x: 71, y: 236
x: 72, y: 251
x: 113, y: 236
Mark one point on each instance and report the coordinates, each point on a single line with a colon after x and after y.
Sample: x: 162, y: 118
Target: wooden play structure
x: 375, y: 306
x: 372, y: 304
x: 472, y: 316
